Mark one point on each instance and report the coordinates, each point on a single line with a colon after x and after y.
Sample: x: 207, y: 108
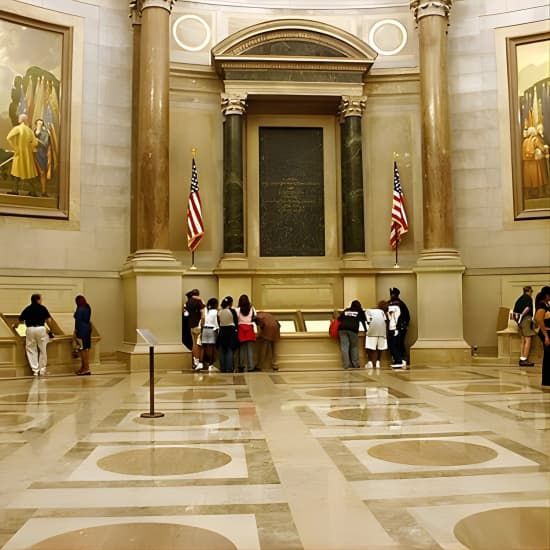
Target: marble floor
x: 435, y: 457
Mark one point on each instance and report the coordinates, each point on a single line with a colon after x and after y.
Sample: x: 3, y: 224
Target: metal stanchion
x: 150, y: 339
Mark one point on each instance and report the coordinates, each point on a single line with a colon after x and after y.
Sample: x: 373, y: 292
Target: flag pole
x: 396, y: 266
x: 193, y: 266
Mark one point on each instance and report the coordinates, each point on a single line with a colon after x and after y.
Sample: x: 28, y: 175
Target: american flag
x: 399, y: 225
x: 195, y: 225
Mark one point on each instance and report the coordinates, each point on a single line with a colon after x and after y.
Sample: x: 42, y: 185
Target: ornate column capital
x: 233, y: 104
x: 137, y: 7
x: 352, y: 106
x: 423, y: 8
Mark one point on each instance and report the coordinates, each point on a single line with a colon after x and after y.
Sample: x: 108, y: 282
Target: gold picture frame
x: 528, y: 60
x: 35, y: 94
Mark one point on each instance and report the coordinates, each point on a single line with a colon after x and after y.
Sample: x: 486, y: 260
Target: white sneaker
x: 404, y: 365
x: 368, y: 365
x: 397, y: 366
x: 212, y: 368
x: 199, y: 366
x: 43, y: 372
x: 35, y: 373
x: 377, y: 364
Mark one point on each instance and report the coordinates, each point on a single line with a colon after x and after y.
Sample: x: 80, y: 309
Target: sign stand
x: 151, y: 340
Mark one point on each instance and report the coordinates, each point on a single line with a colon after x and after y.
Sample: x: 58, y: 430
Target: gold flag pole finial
x: 395, y: 155
x: 194, y: 151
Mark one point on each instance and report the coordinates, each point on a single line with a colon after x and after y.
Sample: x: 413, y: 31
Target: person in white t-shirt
x: 209, y: 334
x: 375, y: 338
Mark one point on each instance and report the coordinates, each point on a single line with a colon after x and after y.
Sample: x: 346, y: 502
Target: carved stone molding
x: 137, y: 7
x: 423, y: 8
x: 233, y: 104
x: 352, y: 106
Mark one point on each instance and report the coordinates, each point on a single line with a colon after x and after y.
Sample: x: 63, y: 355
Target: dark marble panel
x: 300, y: 48
x: 292, y: 216
x: 294, y: 75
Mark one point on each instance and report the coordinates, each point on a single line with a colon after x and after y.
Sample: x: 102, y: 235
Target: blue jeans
x: 349, y: 348
x: 246, y: 349
x: 226, y: 360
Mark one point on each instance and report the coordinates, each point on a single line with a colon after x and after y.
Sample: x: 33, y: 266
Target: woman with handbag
x: 228, y: 340
x: 245, y: 330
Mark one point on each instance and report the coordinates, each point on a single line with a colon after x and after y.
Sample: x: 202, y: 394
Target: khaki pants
x: 36, y: 340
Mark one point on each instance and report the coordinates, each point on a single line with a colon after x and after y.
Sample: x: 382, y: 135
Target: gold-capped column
x: 151, y: 277
x: 439, y: 268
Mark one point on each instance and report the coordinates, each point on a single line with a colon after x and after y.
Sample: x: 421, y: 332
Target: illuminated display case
x: 13, y: 360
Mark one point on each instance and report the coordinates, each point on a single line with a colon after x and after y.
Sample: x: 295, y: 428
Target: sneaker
x: 43, y: 372
x: 212, y: 368
x: 397, y: 366
x: 377, y: 364
x: 199, y: 366
x: 369, y: 365
x: 526, y: 363
x: 404, y: 365
x: 35, y: 373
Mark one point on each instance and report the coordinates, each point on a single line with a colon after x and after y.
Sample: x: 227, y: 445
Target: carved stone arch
x: 292, y: 45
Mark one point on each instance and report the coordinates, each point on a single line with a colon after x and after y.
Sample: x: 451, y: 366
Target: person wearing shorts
x: 375, y: 338
x: 523, y: 313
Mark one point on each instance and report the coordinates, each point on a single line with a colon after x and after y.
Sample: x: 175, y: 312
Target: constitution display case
x: 305, y: 342
x: 13, y: 359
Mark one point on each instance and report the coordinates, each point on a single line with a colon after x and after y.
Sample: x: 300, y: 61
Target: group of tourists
x: 385, y: 327
x: 38, y: 332
x: 532, y: 318
x: 213, y: 329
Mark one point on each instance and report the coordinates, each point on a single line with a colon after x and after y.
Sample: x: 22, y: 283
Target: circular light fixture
x: 200, y: 20
x: 382, y: 23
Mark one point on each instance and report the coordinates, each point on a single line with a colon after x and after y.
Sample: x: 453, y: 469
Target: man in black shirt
x: 523, y: 314
x: 35, y: 316
x: 402, y: 322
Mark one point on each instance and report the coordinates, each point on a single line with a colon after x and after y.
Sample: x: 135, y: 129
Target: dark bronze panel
x: 292, y: 212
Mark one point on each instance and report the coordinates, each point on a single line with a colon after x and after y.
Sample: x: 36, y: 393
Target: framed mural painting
x: 529, y: 90
x: 35, y: 66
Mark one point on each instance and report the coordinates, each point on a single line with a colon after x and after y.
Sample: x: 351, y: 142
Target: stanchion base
x: 151, y: 415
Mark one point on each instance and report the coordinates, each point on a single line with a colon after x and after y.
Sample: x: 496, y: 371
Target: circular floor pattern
x: 189, y: 395
x: 41, y: 397
x: 198, y: 379
x: 536, y: 407
x: 183, y: 419
x: 13, y: 419
x: 432, y: 453
x: 138, y: 536
x: 164, y: 461
x: 489, y: 388
x: 339, y: 392
x: 506, y: 529
x: 374, y: 414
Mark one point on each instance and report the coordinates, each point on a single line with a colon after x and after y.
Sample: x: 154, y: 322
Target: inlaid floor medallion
x: 138, y: 536
x: 42, y: 397
x: 374, y: 414
x: 489, y: 388
x: 189, y: 395
x: 338, y: 392
x: 183, y: 419
x: 164, y: 461
x: 432, y: 453
x: 532, y: 407
x: 13, y: 419
x: 506, y: 529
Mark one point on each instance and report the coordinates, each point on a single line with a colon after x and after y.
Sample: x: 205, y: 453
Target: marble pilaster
x: 353, y: 217
x: 233, y: 108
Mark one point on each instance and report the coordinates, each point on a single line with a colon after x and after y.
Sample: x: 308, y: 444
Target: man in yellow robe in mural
x: 23, y: 142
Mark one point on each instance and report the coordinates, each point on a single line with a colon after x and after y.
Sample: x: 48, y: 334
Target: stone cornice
x: 233, y: 104
x: 424, y: 8
x: 352, y: 106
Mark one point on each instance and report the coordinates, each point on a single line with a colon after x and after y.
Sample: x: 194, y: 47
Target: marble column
x: 233, y: 109
x: 353, y: 216
x: 432, y: 17
x: 151, y: 277
x: 439, y: 269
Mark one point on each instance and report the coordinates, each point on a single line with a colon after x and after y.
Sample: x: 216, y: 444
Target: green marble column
x: 353, y: 216
x: 233, y: 199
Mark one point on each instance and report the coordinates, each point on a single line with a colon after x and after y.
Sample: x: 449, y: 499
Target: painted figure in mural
x: 42, y: 155
x: 535, y: 168
x: 545, y: 147
x: 23, y: 142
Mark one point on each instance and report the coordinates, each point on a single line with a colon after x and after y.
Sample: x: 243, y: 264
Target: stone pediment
x: 291, y: 45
